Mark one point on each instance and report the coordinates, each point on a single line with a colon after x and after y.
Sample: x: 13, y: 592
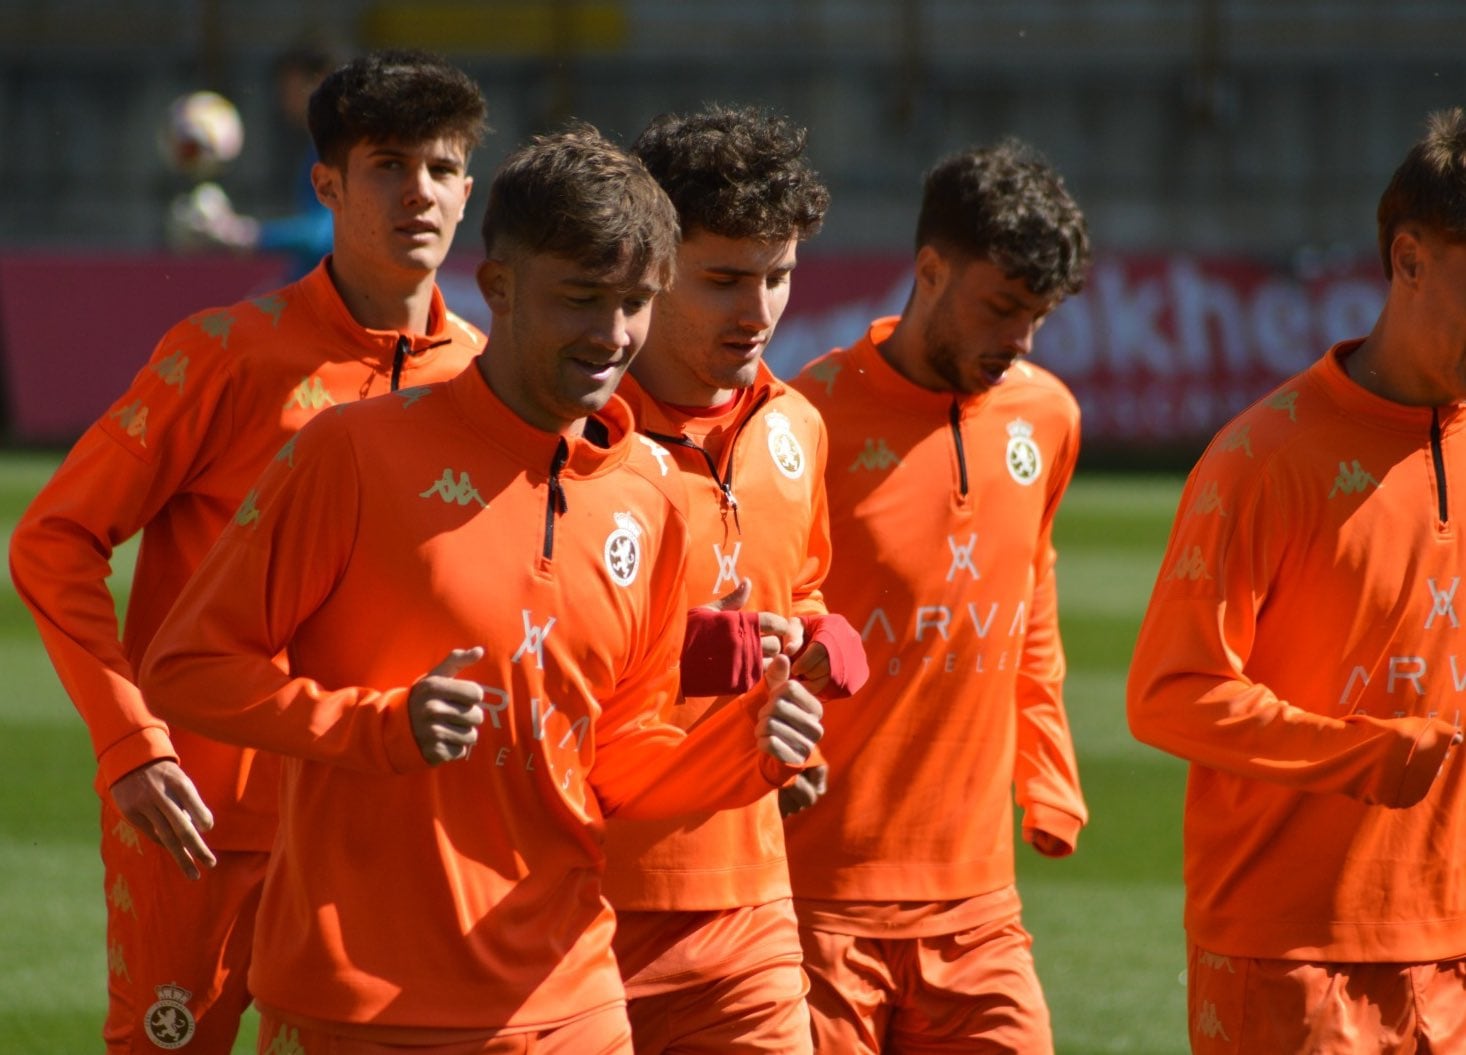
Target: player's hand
x: 804, y: 792
x: 776, y: 634
x: 812, y: 667
x: 160, y: 801
x: 789, y: 721
x: 445, y: 710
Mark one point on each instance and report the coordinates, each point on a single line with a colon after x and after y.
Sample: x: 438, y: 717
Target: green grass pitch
x: 1106, y: 922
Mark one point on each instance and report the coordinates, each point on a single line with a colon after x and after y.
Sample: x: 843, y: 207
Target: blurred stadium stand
x: 1251, y: 130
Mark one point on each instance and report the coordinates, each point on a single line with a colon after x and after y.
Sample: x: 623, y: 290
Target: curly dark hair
x: 1429, y: 187
x: 576, y: 194
x: 395, y: 95
x: 738, y: 173
x: 1006, y: 205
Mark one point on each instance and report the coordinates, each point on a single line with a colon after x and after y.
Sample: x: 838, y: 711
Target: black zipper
x: 955, y: 416
x: 1438, y: 456
x: 725, y: 482
x: 555, y: 505
x: 404, y: 348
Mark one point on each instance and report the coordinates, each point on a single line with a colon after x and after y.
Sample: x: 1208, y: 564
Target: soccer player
x: 479, y: 587
x: 172, y: 459
x: 705, y: 934
x: 949, y: 454
x: 1302, y: 650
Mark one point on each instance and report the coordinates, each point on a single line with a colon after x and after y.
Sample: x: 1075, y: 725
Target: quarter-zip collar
x: 379, y: 348
x: 1358, y: 402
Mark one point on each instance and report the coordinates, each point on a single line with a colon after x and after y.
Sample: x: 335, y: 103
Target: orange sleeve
x: 272, y: 567
x: 807, y: 599
x: 1189, y: 693
x: 1045, y: 771
x: 117, y: 478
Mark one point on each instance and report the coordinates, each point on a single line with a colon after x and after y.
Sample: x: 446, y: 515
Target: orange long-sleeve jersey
x: 173, y: 458
x: 940, y: 513
x: 1303, y: 650
x: 381, y: 538
x: 757, y: 511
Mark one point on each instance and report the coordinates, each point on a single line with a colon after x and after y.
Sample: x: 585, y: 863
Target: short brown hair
x: 1429, y: 187
x: 1007, y: 205
x: 738, y: 173
x: 577, y: 195
x: 395, y: 95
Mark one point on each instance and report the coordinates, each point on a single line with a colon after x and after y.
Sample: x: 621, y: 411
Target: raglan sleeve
x: 149, y: 446
x: 1045, y: 769
x: 1189, y: 692
x: 214, y: 666
x: 646, y: 768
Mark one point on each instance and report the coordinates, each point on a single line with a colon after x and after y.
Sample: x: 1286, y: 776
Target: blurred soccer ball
x: 201, y: 134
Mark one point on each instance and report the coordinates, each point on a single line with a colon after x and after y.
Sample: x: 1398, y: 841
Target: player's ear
x: 496, y: 283
x: 326, y: 179
x: 1406, y: 256
x: 932, y: 269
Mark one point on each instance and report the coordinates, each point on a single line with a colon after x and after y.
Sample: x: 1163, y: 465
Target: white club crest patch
x: 169, y: 1023
x: 784, y: 445
x: 623, y: 550
x: 1024, y: 460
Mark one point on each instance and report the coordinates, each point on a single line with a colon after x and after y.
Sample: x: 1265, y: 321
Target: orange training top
x: 940, y: 513
x: 770, y: 525
x: 1304, y: 651
x: 172, y: 459
x: 464, y: 896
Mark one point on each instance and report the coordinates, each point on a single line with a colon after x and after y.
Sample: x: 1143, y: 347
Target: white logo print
x: 169, y: 1023
x: 534, y: 639
x: 727, y: 565
x: 623, y: 550
x: 1444, y: 602
x: 962, y: 557
x: 1023, y: 457
x: 784, y: 446
x: 660, y: 453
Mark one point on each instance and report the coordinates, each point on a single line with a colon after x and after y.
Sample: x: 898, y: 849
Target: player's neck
x: 380, y: 302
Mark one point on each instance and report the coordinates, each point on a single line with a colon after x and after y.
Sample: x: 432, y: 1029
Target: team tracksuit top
x: 465, y: 896
x: 173, y: 458
x: 1303, y: 650
x: 940, y: 511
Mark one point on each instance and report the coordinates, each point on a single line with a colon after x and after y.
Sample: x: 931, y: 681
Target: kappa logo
x: 825, y: 373
x: 286, y: 1042
x: 450, y: 490
x: 623, y: 550
x: 1286, y: 401
x: 120, y: 895
x: 1190, y: 565
x: 216, y: 324
x: 962, y: 556
x: 310, y: 394
x: 1443, y: 602
x: 1208, y: 500
x: 534, y: 639
x: 133, y: 420
x: 127, y: 835
x: 1352, y: 480
x: 727, y: 566
x: 117, y: 961
x: 272, y: 305
x: 875, y: 455
x: 173, y: 370
x: 410, y: 396
x: 1239, y: 438
x: 248, y: 512
x: 169, y: 1023
x: 1209, y: 1023
x: 286, y: 453
x: 660, y: 453
x: 784, y: 445
x: 1025, y: 461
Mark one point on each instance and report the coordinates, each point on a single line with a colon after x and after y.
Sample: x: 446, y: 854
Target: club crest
x: 1023, y: 458
x: 784, y: 445
x: 169, y: 1023
x: 623, y: 550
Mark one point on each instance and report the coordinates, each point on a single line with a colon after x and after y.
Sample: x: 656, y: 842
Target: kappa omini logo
x: 169, y: 1023
x: 623, y: 550
x: 1024, y: 459
x: 660, y: 453
x: 784, y: 445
